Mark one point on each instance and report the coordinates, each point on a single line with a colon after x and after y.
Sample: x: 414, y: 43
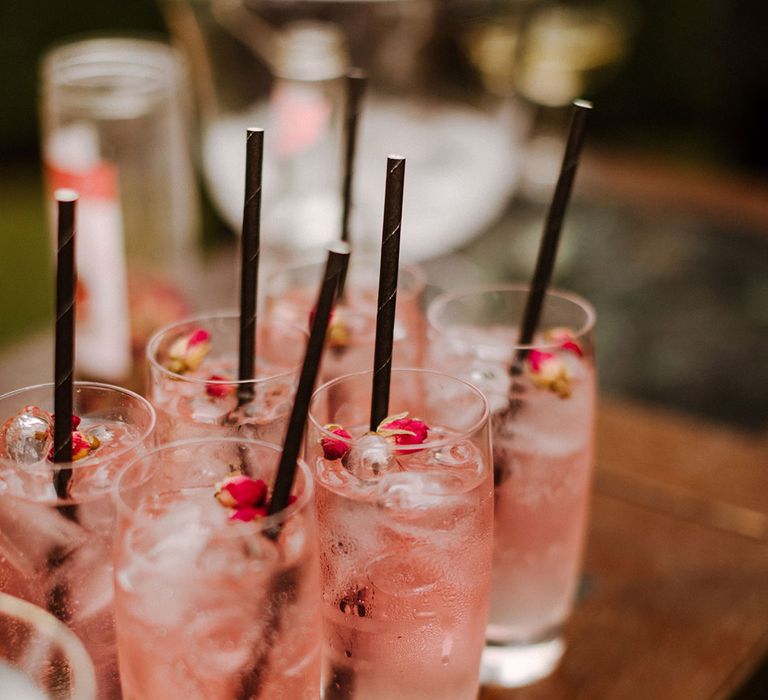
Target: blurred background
x: 667, y: 231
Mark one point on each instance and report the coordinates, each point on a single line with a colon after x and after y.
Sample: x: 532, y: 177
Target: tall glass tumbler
x: 291, y: 296
x: 56, y: 520
x: 115, y: 115
x: 193, y: 385
x: 405, y: 536
x: 40, y: 659
x: 211, y: 607
x: 543, y: 412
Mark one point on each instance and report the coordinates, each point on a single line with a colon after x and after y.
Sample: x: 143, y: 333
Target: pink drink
x: 292, y: 295
x: 204, y: 400
x: 405, y: 545
x: 542, y: 451
x: 208, y: 608
x: 55, y: 552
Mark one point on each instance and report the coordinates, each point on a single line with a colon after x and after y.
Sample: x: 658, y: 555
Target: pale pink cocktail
x: 56, y: 545
x: 209, y: 606
x: 406, y: 524
x: 542, y: 422
x: 193, y: 385
x: 350, y: 340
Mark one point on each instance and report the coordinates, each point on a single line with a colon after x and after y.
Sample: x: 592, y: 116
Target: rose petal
x: 335, y: 449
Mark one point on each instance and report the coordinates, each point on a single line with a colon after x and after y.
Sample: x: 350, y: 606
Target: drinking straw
x: 545, y: 260
x: 338, y: 258
x: 283, y: 584
x: 357, y: 82
x: 385, y: 316
x: 66, y: 202
x: 249, y: 263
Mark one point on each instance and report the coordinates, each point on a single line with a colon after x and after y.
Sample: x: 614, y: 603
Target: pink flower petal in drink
x: 335, y: 449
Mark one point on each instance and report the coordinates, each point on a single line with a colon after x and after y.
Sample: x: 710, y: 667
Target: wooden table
x: 676, y: 576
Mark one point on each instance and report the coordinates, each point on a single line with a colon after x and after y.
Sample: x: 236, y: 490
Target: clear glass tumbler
x: 56, y: 520
x: 209, y: 607
x: 115, y: 117
x: 406, y: 524
x: 292, y: 291
x: 542, y: 399
x: 193, y: 385
x: 40, y: 658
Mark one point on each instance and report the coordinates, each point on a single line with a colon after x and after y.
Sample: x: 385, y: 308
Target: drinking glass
x: 210, y: 608
x: 40, y: 659
x: 208, y: 400
x: 56, y: 520
x: 405, y: 538
x: 292, y: 291
x: 542, y: 399
x: 115, y: 113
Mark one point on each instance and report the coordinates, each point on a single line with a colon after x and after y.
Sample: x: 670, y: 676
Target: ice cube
x: 204, y: 410
x: 370, y: 457
x: 413, y: 492
x: 101, y: 432
x: 27, y: 437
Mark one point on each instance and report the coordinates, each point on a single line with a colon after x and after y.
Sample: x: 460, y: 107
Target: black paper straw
x: 553, y: 225
x: 66, y: 202
x: 338, y: 258
x: 390, y: 263
x: 249, y: 263
x: 357, y: 82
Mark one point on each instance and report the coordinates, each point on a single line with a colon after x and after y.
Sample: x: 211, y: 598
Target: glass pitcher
x: 280, y: 65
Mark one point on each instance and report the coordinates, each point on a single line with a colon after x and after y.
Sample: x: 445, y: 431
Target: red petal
x: 246, y: 491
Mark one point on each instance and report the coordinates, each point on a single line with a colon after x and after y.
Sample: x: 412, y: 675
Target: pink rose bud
x: 215, y: 389
x: 547, y: 371
x: 188, y: 352
x: 248, y: 513
x: 82, y: 445
x: 335, y: 449
x: 415, y: 431
x: 565, y: 338
x: 241, y: 491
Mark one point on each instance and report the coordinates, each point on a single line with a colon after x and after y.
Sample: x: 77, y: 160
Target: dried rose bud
x: 565, y: 339
x: 406, y: 431
x: 335, y: 449
x: 548, y: 371
x: 188, y: 352
x: 247, y: 513
x: 82, y: 445
x: 215, y: 389
x: 241, y: 491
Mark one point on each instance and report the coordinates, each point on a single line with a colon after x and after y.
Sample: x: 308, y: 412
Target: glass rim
x: 260, y: 524
x: 428, y: 444
x: 38, y: 467
x: 313, y: 260
x: 442, y: 300
x: 84, y: 677
x: 268, y: 319
x: 85, y: 45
